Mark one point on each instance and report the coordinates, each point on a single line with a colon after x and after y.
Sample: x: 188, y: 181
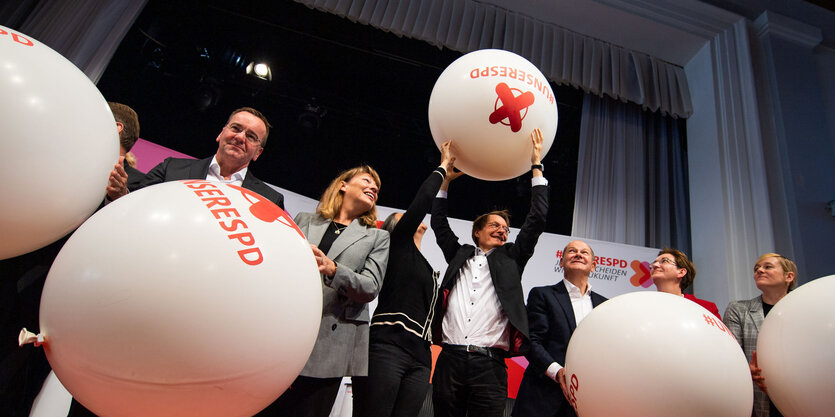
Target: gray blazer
x: 744, y: 319
x: 361, y: 254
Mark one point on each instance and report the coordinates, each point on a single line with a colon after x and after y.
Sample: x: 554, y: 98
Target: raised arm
x: 444, y: 235
x: 537, y: 215
x: 422, y: 202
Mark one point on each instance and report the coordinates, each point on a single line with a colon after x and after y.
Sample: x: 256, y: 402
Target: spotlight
x: 260, y: 70
x: 311, y: 115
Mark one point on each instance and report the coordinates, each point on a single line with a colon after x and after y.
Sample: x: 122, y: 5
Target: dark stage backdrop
x: 341, y: 94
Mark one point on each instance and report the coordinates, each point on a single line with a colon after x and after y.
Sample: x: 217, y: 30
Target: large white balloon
x: 186, y: 298
x: 488, y: 102
x: 656, y: 354
x: 794, y: 350
x: 59, y: 143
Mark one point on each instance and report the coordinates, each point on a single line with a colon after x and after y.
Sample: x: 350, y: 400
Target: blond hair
x: 331, y: 201
x: 785, y: 263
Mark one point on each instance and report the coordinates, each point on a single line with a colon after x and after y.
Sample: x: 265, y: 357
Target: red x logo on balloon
x: 512, y: 106
x: 265, y: 210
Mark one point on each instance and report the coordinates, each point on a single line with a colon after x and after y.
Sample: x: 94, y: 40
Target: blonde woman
x: 775, y: 275
x: 352, y: 255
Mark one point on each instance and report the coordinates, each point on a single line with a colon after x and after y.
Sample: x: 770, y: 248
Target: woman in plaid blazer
x: 775, y: 275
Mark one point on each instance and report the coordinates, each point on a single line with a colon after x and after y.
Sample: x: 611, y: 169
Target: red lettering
x: 198, y: 184
x: 258, y: 257
x: 233, y: 226
x: 521, y: 76
x: 503, y: 71
x: 20, y: 39
x: 229, y: 212
x: 573, y: 387
x: 530, y: 79
x: 474, y: 73
x: 485, y: 71
x: 214, y: 201
x: 559, y: 254
x: 537, y: 84
x: 512, y: 73
x: 245, y: 238
x: 494, y: 71
x: 201, y: 193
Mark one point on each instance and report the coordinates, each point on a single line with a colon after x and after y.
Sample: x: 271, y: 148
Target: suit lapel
x: 250, y: 181
x: 565, y: 303
x: 316, y: 229
x: 755, y: 309
x: 351, y: 234
x: 200, y: 169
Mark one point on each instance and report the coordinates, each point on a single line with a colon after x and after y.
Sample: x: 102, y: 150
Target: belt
x: 490, y: 352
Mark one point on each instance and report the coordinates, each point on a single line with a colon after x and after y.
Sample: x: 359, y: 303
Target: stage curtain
x: 631, y: 177
x: 564, y: 56
x: 86, y: 32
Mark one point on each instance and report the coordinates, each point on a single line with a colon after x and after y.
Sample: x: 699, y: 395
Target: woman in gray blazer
x: 352, y: 255
x: 775, y: 275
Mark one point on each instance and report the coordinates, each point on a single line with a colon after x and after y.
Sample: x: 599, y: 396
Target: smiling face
x: 239, y: 142
x: 769, y: 274
x: 577, y: 259
x: 493, y: 234
x: 666, y: 271
x: 360, y: 192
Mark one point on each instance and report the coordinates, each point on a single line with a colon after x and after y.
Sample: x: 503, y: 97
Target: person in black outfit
x: 399, y: 358
x: 480, y: 317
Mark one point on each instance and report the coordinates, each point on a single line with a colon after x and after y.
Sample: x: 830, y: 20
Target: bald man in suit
x: 553, y: 313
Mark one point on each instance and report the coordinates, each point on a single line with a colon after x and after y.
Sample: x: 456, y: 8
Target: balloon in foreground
x: 794, y: 350
x: 487, y: 103
x: 187, y: 298
x: 656, y: 354
x: 59, y: 144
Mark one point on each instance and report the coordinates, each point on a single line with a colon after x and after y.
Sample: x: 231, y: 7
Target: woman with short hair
x: 775, y: 275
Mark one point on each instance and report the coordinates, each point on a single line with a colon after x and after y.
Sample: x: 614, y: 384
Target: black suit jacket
x: 175, y: 169
x: 551, y: 324
x: 506, y: 264
x: 135, y: 177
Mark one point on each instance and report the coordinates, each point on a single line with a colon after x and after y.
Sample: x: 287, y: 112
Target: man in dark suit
x: 240, y: 142
x: 480, y: 316
x: 553, y: 313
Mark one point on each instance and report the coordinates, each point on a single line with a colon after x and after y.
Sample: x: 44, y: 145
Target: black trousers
x: 306, y: 397
x: 396, y: 384
x: 469, y: 383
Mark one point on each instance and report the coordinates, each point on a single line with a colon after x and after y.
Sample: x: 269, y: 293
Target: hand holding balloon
x: 117, y: 184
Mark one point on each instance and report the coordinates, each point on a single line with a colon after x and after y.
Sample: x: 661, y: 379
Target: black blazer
x: 506, y: 264
x: 552, y: 322
x: 175, y: 169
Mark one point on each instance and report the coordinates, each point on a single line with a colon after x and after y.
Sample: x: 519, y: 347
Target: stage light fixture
x: 260, y: 70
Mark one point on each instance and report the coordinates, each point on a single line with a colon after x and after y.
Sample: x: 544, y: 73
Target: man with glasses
x: 480, y: 316
x: 240, y: 142
x: 554, y: 312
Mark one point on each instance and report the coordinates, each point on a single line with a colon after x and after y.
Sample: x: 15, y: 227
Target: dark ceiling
x: 181, y: 66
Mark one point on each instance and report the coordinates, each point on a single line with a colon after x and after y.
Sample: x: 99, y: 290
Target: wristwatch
x: 541, y: 167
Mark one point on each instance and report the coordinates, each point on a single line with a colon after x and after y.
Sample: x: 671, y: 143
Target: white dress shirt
x: 236, y: 178
x: 474, y: 315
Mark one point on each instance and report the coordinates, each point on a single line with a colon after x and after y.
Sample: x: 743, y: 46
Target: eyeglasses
x: 662, y: 261
x: 250, y: 135
x: 494, y: 225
